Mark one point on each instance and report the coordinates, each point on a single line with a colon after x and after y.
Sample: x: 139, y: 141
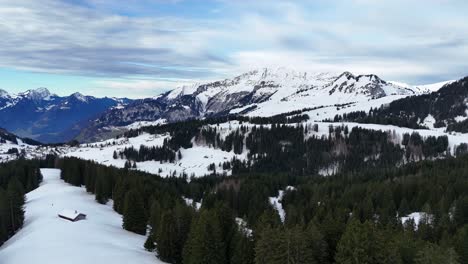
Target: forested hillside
x: 299, y: 148
x: 445, y: 108
x: 351, y: 216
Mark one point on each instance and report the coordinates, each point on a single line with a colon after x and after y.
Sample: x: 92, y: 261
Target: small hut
x: 71, y: 215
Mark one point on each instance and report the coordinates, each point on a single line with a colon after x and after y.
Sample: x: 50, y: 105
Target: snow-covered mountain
x: 12, y: 147
x: 264, y: 92
x: 47, y: 117
x: 424, y: 88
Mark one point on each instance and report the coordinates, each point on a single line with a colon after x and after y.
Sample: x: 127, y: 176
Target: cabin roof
x: 69, y: 214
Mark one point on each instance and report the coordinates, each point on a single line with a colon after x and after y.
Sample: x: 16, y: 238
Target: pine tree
x: 100, y: 190
x: 433, y: 254
x: 269, y: 248
x: 155, y: 216
x: 361, y: 243
x: 166, y: 240
x: 297, y: 248
x: 205, y: 244
x: 134, y: 212
x: 183, y: 221
x: 404, y: 208
x: 149, y: 243
x: 5, y: 219
x: 461, y: 244
x: 316, y: 244
x: 461, y: 211
x: 16, y: 202
x: 242, y: 248
x: 120, y: 189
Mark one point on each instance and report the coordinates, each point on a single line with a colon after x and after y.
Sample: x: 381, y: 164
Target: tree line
x: 352, y: 217
x: 445, y: 106
x: 16, y: 179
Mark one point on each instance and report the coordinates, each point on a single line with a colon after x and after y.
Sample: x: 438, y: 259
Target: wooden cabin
x: 71, y: 215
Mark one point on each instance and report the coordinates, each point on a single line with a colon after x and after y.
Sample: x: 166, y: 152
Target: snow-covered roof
x: 69, y: 214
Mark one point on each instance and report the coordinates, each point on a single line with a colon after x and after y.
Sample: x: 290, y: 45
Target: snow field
x: 47, y: 239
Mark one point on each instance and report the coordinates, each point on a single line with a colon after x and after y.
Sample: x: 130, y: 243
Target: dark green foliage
x: 149, y: 243
x: 166, y: 237
x: 134, y: 218
x: 291, y: 245
x: 433, y: 254
x: 205, y: 243
x: 364, y: 243
x: 145, y: 153
x: 461, y: 211
x: 242, y: 248
x: 352, y: 214
x: 461, y: 244
x: 172, y: 232
x: 16, y: 178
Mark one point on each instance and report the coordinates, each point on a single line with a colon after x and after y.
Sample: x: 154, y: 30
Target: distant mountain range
x: 264, y: 92
x: 46, y: 117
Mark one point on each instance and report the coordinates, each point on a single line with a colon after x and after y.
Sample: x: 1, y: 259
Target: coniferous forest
x: 445, y: 106
x: 354, y: 215
x: 16, y: 179
x: 351, y: 217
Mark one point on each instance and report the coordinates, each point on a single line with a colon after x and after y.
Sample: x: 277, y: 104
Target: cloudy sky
x: 140, y: 48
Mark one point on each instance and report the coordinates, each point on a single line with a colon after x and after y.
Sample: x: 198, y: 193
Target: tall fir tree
x: 205, y: 243
x: 16, y: 200
x: 134, y: 218
x: 166, y: 237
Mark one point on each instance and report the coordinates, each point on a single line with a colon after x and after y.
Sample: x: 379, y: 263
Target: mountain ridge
x: 47, y: 117
x: 263, y: 92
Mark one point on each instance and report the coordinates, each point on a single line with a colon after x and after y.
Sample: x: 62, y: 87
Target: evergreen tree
x: 461, y: 244
x: 461, y: 211
x: 269, y: 248
x: 134, y: 212
x: 166, y: 237
x: 316, y: 244
x: 433, y: 254
x: 16, y: 202
x: 100, y: 190
x: 205, y: 244
x: 360, y: 243
x: 149, y: 243
x: 242, y: 248
x: 120, y: 189
x: 5, y: 219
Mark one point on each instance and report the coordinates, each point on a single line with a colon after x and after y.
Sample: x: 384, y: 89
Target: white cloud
x: 400, y: 40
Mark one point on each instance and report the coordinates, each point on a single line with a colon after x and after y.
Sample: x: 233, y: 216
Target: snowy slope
x: 425, y: 88
x: 195, y: 160
x: 10, y: 142
x: 280, y: 90
x: 48, y: 239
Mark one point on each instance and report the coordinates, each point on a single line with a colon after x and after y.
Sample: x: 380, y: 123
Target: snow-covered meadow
x: 195, y: 160
x: 48, y: 239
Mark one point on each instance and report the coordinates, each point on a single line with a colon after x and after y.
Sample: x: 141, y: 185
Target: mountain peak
x: 4, y: 94
x: 79, y: 96
x: 40, y: 93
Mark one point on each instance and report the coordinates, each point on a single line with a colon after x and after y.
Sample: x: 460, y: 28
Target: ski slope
x: 48, y: 239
